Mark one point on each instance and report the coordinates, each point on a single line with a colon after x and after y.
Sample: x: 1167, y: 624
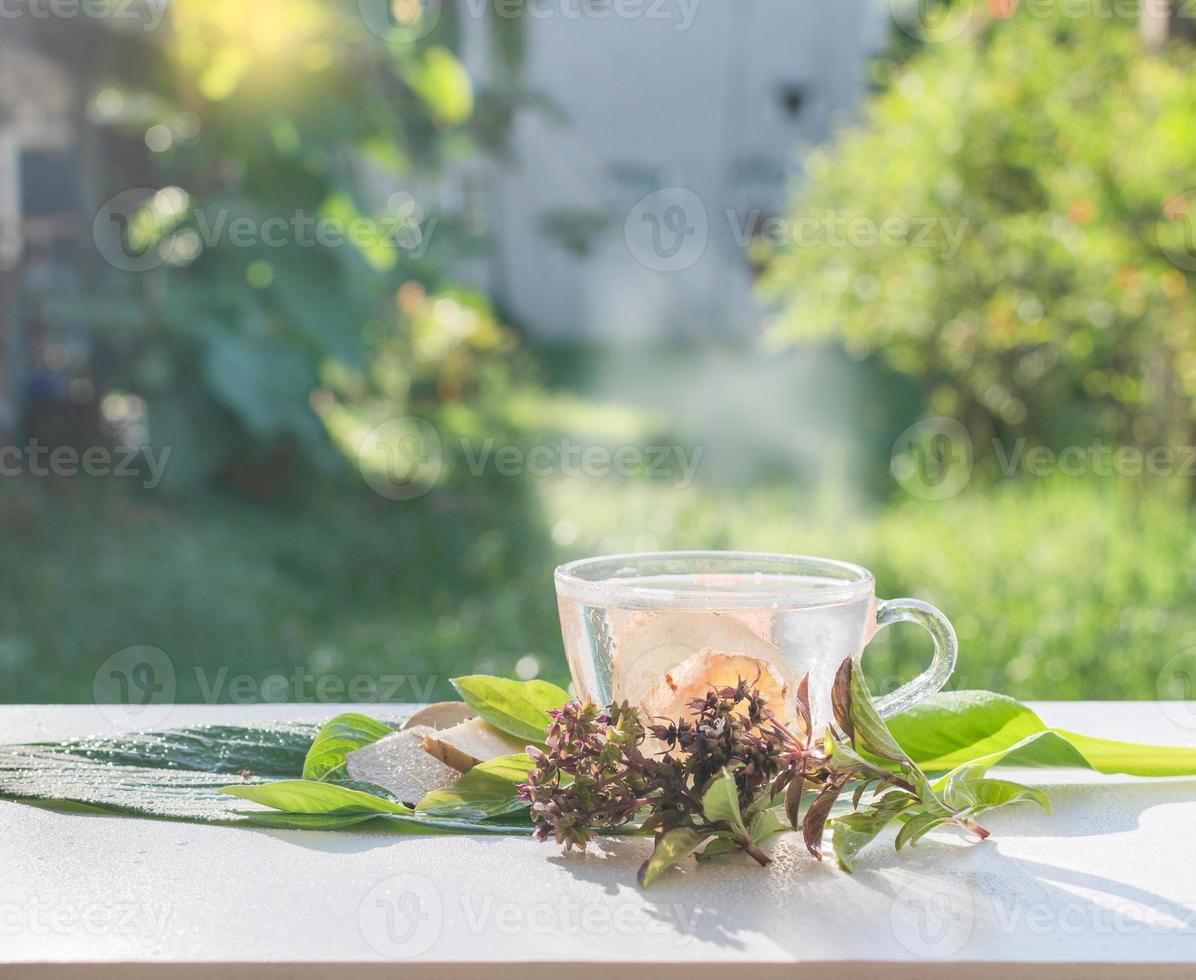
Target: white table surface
x: 1104, y: 887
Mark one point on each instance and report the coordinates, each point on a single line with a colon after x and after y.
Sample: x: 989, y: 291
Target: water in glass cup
x: 661, y: 629
x: 645, y: 643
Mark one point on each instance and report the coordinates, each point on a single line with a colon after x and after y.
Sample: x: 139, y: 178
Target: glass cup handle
x: 946, y: 649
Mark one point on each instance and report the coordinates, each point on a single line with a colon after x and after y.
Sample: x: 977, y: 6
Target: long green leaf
x: 341, y: 735
x: 961, y: 728
x: 174, y: 775
x: 519, y: 708
x: 181, y: 775
x: 308, y: 796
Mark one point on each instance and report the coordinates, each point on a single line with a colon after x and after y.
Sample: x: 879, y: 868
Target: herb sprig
x: 719, y: 780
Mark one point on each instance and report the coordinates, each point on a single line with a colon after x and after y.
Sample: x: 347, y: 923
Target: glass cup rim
x: 850, y: 581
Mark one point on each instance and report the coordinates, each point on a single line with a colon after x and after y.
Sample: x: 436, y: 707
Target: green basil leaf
x: 723, y: 844
x: 844, y: 757
x: 765, y: 824
x: 970, y: 792
x: 720, y: 802
x: 917, y: 827
x: 487, y: 790
x: 853, y: 832
x: 340, y: 736
x: 871, y: 733
x: 519, y: 708
x: 670, y: 848
x: 309, y: 796
x: 926, y: 792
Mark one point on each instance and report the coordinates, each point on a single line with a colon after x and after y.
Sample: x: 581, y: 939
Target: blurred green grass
x: 1058, y: 588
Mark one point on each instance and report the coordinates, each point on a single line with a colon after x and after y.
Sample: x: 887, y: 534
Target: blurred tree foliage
x: 297, y: 178
x: 1009, y: 226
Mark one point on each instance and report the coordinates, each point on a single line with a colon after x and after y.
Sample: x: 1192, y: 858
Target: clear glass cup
x: 647, y: 628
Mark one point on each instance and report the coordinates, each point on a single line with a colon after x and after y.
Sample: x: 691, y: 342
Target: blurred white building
x: 703, y: 107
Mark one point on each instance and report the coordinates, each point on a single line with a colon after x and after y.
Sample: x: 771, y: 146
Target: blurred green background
x: 1035, y: 293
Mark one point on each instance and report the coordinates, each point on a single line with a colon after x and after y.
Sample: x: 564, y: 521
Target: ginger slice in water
x: 649, y: 643
x: 694, y: 677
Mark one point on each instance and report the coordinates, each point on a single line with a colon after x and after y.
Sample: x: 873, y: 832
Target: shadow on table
x: 933, y: 890
x: 1092, y: 809
x: 368, y: 836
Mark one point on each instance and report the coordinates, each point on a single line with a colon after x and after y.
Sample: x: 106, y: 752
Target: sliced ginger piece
x: 442, y: 714
x: 399, y: 763
x: 469, y: 744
